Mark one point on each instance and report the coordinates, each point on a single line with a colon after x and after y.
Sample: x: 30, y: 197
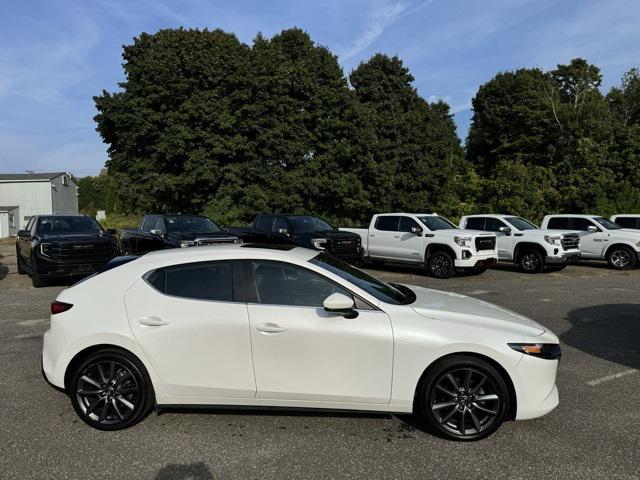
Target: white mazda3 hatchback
x: 265, y: 326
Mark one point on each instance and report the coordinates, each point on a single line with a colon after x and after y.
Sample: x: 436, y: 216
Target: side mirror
x: 283, y: 231
x: 340, y: 303
x: 156, y: 232
x: 416, y: 230
x: 24, y: 233
x: 111, y: 231
x: 505, y: 230
x: 592, y: 229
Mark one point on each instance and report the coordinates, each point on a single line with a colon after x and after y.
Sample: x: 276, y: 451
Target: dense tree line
x: 205, y: 123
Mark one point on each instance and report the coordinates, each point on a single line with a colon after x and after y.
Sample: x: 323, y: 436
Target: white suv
x: 600, y: 238
x: 523, y: 243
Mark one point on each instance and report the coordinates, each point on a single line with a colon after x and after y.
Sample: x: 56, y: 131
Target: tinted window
x: 521, y: 223
x: 626, y: 222
x: 151, y: 223
x: 280, y: 223
x: 201, y: 281
x: 385, y: 292
x: 493, y: 224
x: 581, y: 224
x: 406, y: 224
x: 387, y: 224
x: 284, y: 284
x: 306, y: 224
x: 558, y: 223
x: 190, y: 224
x: 475, y: 223
x: 264, y: 223
x: 67, y: 225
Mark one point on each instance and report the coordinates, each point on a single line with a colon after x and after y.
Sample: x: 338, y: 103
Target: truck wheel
x: 37, y: 281
x: 621, y: 257
x: 531, y: 261
x: 21, y: 269
x: 441, y: 265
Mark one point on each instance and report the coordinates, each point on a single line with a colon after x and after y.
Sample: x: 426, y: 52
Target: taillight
x: 59, y: 307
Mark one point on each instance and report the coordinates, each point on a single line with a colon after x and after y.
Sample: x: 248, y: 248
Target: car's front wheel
x: 111, y: 390
x: 441, y: 264
x: 464, y: 398
x: 19, y: 263
x: 531, y: 261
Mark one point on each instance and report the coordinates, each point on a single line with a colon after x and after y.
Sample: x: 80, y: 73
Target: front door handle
x: 396, y: 236
x: 270, y: 328
x: 152, y: 321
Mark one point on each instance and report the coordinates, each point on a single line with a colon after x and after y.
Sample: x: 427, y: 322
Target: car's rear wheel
x: 621, y: 257
x: 441, y: 264
x: 464, y: 398
x: 531, y: 261
x: 111, y: 390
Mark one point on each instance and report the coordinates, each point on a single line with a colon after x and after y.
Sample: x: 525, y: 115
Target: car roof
x: 625, y: 215
x: 407, y: 213
x: 229, y: 251
x: 573, y: 215
x: 494, y: 215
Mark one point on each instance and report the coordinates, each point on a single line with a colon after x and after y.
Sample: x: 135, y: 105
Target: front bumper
x: 477, y: 260
x: 563, y: 257
x: 63, y: 270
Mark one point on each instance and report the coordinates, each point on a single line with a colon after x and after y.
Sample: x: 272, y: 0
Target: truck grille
x: 80, y: 252
x: 485, y: 243
x: 570, y: 241
x: 344, y: 246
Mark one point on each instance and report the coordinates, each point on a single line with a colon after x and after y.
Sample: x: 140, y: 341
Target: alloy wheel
x: 530, y: 262
x: 440, y: 265
x: 107, y: 392
x: 621, y: 258
x: 465, y: 402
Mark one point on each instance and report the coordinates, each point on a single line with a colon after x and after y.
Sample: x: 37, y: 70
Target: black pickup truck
x: 304, y: 231
x: 157, y: 232
x: 63, y: 246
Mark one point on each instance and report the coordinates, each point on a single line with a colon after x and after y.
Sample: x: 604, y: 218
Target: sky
x: 56, y: 55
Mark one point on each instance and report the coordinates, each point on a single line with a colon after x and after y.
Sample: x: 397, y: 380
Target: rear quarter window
x: 211, y: 281
x: 558, y: 223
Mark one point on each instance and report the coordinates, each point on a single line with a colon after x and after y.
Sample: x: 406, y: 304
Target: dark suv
x: 63, y: 246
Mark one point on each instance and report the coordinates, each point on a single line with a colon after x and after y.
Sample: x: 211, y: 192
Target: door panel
x: 504, y: 242
x: 382, y: 237
x: 199, y: 347
x: 321, y: 356
x: 592, y: 244
x: 408, y: 245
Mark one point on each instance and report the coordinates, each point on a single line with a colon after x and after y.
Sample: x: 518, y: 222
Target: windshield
x: 608, y: 224
x: 521, y: 223
x: 433, y: 222
x: 308, y: 224
x: 67, y: 225
x: 186, y: 224
x: 395, y: 294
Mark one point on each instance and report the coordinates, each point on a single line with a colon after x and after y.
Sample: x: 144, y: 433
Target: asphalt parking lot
x: 594, y: 433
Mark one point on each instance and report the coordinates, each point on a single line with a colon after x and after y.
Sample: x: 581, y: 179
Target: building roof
x: 4, y: 208
x: 22, y: 177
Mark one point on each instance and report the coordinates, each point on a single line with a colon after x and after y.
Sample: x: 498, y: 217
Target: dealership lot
x: 594, y: 433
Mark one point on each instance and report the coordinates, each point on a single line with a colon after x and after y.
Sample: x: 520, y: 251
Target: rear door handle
x: 396, y: 236
x: 270, y: 328
x: 152, y: 321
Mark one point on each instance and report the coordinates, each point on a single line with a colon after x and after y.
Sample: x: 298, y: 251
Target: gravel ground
x: 594, y: 433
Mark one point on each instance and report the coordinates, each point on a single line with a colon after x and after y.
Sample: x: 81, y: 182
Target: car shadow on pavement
x: 4, y: 271
x: 610, y: 332
x: 192, y: 471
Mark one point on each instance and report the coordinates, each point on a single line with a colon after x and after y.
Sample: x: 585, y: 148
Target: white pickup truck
x: 600, y: 238
x: 523, y: 243
x: 426, y: 239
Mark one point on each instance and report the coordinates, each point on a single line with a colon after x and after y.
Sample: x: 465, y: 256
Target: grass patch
x: 121, y: 221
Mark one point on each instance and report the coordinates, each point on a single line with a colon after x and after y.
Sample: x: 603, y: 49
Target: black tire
x: 37, y: 281
x: 479, y: 270
x: 441, y: 264
x: 621, y: 257
x: 531, y: 261
x: 111, y: 390
x: 19, y: 263
x: 453, y: 409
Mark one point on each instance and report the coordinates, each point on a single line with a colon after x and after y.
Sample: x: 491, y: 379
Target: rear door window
x: 387, y: 223
x: 200, y: 281
x: 627, y: 222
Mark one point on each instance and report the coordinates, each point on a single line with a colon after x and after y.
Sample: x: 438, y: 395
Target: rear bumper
x: 563, y: 258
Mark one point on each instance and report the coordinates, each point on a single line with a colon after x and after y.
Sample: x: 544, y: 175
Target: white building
x: 23, y: 195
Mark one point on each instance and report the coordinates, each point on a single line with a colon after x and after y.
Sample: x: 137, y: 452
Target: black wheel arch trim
x: 524, y: 246
x: 434, y: 247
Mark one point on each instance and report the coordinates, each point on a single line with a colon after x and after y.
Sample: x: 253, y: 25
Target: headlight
x: 463, y: 241
x: 552, y: 239
x: 319, y: 243
x: 548, y: 351
x: 187, y: 243
x: 44, y: 249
